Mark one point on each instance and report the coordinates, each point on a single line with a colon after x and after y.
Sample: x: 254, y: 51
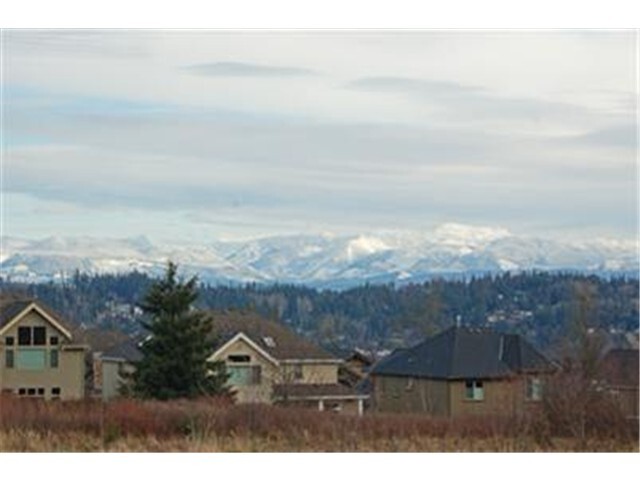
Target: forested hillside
x: 541, y: 306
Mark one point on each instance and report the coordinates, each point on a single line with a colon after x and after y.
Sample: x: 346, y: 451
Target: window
x: 39, y: 336
x: 55, y: 392
x: 534, y: 389
x: 239, y: 358
x: 474, y: 390
x: 41, y: 391
x: 8, y: 341
x: 244, y: 375
x: 31, y: 359
x: 31, y: 392
x: 53, y: 358
x: 8, y: 359
x: 22, y: 391
x: 53, y: 340
x: 24, y: 335
x: 297, y: 372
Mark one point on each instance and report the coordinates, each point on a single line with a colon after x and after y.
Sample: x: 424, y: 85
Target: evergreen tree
x: 175, y: 354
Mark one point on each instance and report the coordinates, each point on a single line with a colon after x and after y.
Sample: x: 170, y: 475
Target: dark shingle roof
x: 284, y: 344
x: 127, y: 350
x: 463, y: 352
x: 12, y: 304
x: 314, y: 390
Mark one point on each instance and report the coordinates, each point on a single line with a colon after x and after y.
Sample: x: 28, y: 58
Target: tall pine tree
x: 175, y: 354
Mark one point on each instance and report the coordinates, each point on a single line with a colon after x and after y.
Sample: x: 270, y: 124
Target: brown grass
x: 217, y: 426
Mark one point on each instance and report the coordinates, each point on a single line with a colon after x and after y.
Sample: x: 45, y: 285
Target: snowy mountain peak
x: 322, y: 260
x: 458, y: 234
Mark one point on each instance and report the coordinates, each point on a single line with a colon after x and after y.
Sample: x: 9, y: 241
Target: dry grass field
x: 217, y: 426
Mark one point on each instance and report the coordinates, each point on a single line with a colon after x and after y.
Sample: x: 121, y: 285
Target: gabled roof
x: 273, y: 338
x: 13, y: 305
x: 110, y: 343
x: 126, y: 351
x: 464, y: 352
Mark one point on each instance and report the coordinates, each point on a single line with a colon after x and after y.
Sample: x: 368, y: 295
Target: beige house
x: 462, y: 372
x: 268, y: 363
x: 38, y: 355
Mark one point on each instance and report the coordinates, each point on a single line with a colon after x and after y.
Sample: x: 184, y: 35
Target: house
x: 39, y: 356
x: 619, y: 374
x: 268, y: 363
x: 113, y: 356
x: 462, y: 371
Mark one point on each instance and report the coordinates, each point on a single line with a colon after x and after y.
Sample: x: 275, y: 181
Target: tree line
x: 538, y: 305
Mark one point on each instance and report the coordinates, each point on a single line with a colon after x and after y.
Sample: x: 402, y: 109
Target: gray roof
x: 127, y: 350
x: 464, y: 352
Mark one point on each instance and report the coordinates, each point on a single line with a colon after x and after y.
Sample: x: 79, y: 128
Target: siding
x: 405, y: 394
x: 68, y: 376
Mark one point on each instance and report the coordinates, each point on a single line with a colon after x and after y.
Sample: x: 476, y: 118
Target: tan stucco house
x: 462, y: 371
x: 268, y: 363
x: 38, y: 354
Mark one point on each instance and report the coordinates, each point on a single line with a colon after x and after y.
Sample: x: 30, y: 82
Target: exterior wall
x: 111, y: 377
x: 311, y: 373
x: 447, y: 398
x: 502, y: 397
x: 627, y: 399
x: 262, y: 392
x: 69, y: 376
x: 415, y: 395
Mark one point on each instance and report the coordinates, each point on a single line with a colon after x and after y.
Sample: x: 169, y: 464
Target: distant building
x: 619, y: 373
x: 39, y: 356
x: 268, y: 363
x: 462, y: 371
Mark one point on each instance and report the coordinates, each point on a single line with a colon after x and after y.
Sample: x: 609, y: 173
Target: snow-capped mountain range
x: 332, y: 261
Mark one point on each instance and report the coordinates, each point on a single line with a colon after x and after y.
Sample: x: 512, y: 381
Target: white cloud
x: 283, y: 130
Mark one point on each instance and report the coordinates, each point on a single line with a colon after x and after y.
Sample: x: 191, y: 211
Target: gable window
x: 8, y: 341
x: 474, y: 390
x: 534, y: 389
x: 239, y: 358
x: 53, y: 340
x: 24, y: 335
x: 244, y: 374
x: 53, y: 358
x: 39, y: 336
x: 8, y: 359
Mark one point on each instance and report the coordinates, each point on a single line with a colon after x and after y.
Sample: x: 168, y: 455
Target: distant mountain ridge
x: 325, y: 260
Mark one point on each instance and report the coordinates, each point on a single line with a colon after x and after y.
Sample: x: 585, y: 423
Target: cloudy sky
x: 196, y: 135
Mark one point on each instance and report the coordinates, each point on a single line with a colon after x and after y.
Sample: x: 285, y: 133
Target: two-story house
x: 268, y: 363
x: 38, y: 355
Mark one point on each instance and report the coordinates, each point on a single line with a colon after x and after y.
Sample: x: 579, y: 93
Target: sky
x: 196, y: 135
